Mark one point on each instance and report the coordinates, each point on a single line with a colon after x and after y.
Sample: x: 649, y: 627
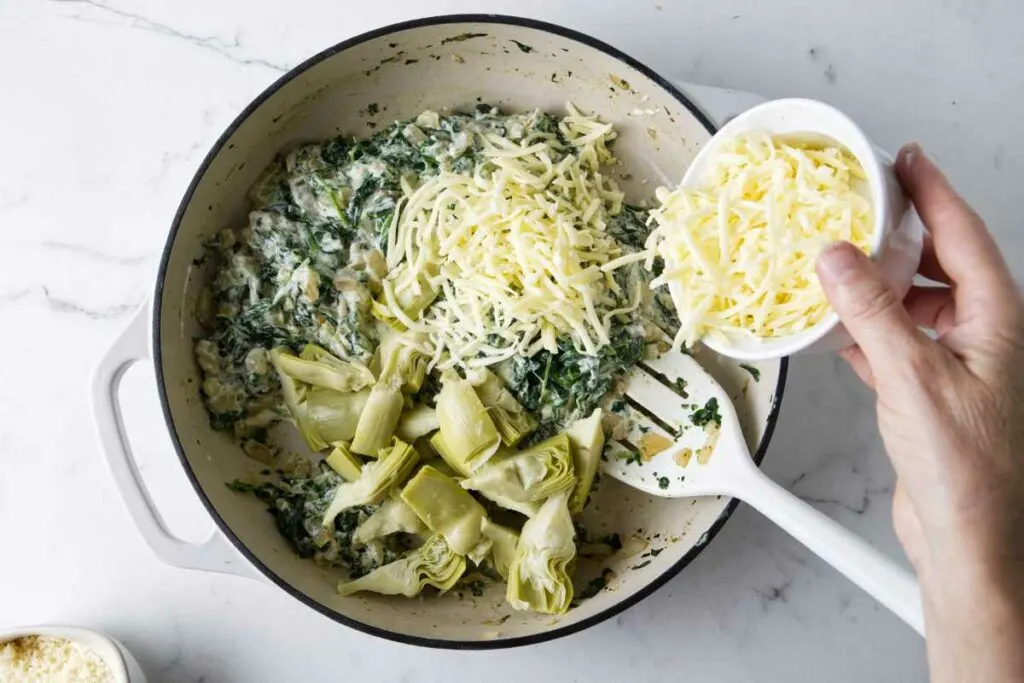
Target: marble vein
x: 61, y: 305
x: 858, y: 508
x: 771, y: 594
x: 215, y: 44
x: 96, y: 255
x: 7, y: 203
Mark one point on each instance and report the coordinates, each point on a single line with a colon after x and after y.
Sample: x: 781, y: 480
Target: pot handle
x: 215, y: 554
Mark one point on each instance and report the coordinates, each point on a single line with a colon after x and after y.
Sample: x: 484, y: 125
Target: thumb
x: 868, y: 307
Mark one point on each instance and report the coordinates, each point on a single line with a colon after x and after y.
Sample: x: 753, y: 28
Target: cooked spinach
x: 595, y: 586
x: 567, y: 385
x: 298, y: 505
x: 629, y: 226
x: 709, y: 414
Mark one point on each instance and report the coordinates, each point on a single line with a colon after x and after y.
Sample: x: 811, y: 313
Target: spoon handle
x: 878, y: 575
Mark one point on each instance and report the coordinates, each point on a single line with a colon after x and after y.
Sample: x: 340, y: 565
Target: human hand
x: 951, y: 416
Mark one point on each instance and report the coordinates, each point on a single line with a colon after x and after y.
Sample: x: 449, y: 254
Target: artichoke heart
x: 404, y: 296
x: 295, y: 401
x: 528, y: 476
x: 392, y: 517
x: 538, y: 578
x: 467, y: 438
x: 322, y: 415
x: 503, y: 546
x: 344, y: 463
x: 512, y: 422
x: 402, y: 370
x: 391, y: 468
x: 415, y: 422
x: 376, y: 424
x: 317, y: 366
x: 433, y: 564
x: 334, y: 416
x: 586, y: 439
x: 403, y: 359
x: 448, y: 510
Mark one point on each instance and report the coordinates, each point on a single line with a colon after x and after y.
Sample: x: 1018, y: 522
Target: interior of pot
x: 439, y: 64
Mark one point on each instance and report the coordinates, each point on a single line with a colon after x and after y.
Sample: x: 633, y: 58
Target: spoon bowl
x: 685, y: 440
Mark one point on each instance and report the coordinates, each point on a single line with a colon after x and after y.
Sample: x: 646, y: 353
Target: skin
x: 951, y: 416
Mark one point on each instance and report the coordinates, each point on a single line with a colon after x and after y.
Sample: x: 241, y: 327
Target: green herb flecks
x: 709, y: 414
x: 754, y: 372
x: 523, y: 46
x: 631, y: 457
x: 462, y: 37
x: 595, y: 586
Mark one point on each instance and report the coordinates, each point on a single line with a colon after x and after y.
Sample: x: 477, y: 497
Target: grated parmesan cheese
x: 516, y: 252
x: 42, y: 659
x: 740, y: 248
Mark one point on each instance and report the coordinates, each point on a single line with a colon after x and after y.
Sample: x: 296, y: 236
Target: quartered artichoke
x: 318, y: 367
x: 323, y: 414
x: 379, y: 418
x: 539, y: 577
x: 467, y: 438
x: 586, y: 439
x: 529, y: 476
x: 404, y: 296
x: 393, y: 465
x: 402, y: 359
x: 402, y: 370
x: 344, y: 463
x: 503, y: 546
x: 333, y: 416
x: 512, y: 422
x: 433, y: 564
x: 448, y: 510
x: 415, y: 422
x: 392, y: 517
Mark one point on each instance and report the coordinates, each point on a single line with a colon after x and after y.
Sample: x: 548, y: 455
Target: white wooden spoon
x: 717, y: 462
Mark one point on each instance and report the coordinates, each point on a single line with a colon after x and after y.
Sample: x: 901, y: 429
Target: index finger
x: 964, y: 248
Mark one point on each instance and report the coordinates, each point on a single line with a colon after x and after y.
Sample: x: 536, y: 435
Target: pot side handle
x: 215, y: 554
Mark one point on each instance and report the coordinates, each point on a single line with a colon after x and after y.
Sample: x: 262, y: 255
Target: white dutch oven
x: 438, y: 63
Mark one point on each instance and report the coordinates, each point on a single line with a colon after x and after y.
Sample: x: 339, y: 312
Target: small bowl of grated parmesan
x: 740, y: 235
x: 65, y: 654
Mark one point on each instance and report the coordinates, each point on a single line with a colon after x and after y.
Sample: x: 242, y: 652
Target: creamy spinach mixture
x: 298, y: 326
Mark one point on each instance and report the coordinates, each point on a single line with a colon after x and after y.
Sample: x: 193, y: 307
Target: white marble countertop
x: 108, y: 106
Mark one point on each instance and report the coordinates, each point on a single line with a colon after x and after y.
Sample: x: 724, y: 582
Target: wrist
x: 972, y: 577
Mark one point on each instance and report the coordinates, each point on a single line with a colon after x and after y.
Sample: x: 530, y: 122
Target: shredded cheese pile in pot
x: 516, y: 252
x: 740, y: 248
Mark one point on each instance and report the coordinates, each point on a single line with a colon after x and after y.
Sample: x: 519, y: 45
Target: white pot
x: 404, y: 69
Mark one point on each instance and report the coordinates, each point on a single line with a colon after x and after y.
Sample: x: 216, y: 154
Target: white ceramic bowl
x: 897, y: 241
x: 121, y: 663
x: 436, y: 63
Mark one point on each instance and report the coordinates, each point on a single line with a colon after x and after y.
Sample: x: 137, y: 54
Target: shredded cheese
x: 739, y: 250
x: 513, y: 255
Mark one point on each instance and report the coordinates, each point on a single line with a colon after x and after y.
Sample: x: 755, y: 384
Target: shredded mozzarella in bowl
x: 740, y: 246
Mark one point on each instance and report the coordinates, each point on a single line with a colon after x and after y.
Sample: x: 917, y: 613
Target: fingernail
x: 838, y: 259
x: 909, y: 154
